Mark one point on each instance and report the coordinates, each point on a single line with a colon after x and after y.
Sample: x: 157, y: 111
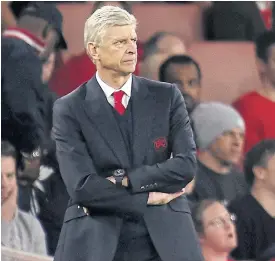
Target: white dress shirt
x: 108, y: 90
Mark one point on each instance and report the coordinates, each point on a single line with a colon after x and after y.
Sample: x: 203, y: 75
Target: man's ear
x: 261, y: 66
x: 259, y: 172
x: 92, y: 51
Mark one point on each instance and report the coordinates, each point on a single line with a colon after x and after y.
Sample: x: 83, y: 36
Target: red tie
x: 118, y: 102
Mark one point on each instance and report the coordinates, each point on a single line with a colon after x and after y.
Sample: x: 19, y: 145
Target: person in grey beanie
x: 220, y: 133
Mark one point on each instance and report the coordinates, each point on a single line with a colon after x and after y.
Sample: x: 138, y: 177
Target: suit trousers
x: 137, y: 249
x: 135, y: 243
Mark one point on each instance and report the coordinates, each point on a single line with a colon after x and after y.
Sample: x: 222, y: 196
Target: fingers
x: 159, y: 198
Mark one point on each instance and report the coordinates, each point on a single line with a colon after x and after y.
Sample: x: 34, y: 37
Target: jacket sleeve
x: 175, y: 173
x: 84, y: 184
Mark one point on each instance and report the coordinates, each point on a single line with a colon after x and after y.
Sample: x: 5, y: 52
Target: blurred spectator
x: 11, y: 11
x: 258, y: 107
x: 29, y: 178
x: 23, y: 47
x: 216, y: 230
x: 19, y: 230
x: 156, y: 50
x: 186, y: 73
x: 239, y: 20
x: 256, y: 212
x: 220, y: 136
x: 79, y: 69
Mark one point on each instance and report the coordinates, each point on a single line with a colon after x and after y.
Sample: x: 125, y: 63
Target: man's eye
x: 10, y: 175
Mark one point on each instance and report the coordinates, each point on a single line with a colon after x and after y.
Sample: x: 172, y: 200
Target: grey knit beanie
x: 212, y: 119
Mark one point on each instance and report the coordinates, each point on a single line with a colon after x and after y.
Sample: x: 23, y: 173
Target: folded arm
x: 175, y: 173
x: 84, y: 185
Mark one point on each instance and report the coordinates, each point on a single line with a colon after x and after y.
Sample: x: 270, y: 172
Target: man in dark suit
x: 114, y: 138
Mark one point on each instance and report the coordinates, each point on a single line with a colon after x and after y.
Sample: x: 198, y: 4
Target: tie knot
x: 118, y: 96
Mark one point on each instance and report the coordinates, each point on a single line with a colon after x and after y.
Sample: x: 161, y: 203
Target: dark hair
x: 258, y: 156
x: 263, y: 42
x: 197, y: 213
x: 125, y: 5
x: 8, y: 150
x: 177, y: 59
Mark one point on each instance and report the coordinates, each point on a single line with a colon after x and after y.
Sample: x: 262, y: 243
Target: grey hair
x: 103, y: 18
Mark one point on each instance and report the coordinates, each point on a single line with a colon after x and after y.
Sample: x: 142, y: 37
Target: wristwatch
x: 119, y: 174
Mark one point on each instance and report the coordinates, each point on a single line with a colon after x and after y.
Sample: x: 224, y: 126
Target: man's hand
x: 112, y: 179
x: 159, y: 198
x: 9, y: 205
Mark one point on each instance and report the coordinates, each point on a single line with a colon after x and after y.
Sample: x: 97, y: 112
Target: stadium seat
x: 184, y: 20
x: 228, y: 69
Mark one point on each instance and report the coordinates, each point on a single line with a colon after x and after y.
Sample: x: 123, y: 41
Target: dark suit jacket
x: 235, y: 21
x: 90, y: 145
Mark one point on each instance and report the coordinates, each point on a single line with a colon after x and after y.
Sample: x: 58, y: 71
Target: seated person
x: 219, y: 136
x: 156, y: 50
x: 255, y: 212
x: 216, y: 230
x: 20, y: 230
x: 186, y: 73
x: 239, y: 20
x: 258, y: 107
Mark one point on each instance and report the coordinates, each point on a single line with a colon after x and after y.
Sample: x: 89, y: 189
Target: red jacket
x: 258, y: 113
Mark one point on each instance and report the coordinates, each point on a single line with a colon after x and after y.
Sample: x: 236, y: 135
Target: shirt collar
x: 25, y: 36
x: 108, y: 90
x: 262, y: 5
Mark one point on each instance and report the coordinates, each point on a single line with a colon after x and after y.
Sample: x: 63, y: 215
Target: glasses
x: 222, y: 221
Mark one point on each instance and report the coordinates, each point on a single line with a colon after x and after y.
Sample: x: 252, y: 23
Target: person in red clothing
x: 258, y: 107
x: 216, y: 230
x: 80, y: 68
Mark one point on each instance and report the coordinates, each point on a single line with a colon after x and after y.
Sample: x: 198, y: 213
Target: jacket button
x: 78, y: 206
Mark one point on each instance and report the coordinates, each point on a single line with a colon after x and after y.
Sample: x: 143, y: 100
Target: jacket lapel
x: 143, y: 104
x: 100, y: 113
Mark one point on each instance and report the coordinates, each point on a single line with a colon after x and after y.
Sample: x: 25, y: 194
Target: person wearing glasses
x: 216, y: 230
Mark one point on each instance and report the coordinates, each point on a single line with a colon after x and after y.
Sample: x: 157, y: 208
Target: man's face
x: 187, y: 79
x: 270, y: 66
x: 118, y: 50
x: 8, y: 178
x: 228, y: 147
x: 219, y: 229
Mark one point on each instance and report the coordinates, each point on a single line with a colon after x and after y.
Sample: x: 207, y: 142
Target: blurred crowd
x: 232, y: 197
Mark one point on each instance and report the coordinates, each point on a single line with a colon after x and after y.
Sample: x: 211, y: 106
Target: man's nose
x: 132, y: 47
